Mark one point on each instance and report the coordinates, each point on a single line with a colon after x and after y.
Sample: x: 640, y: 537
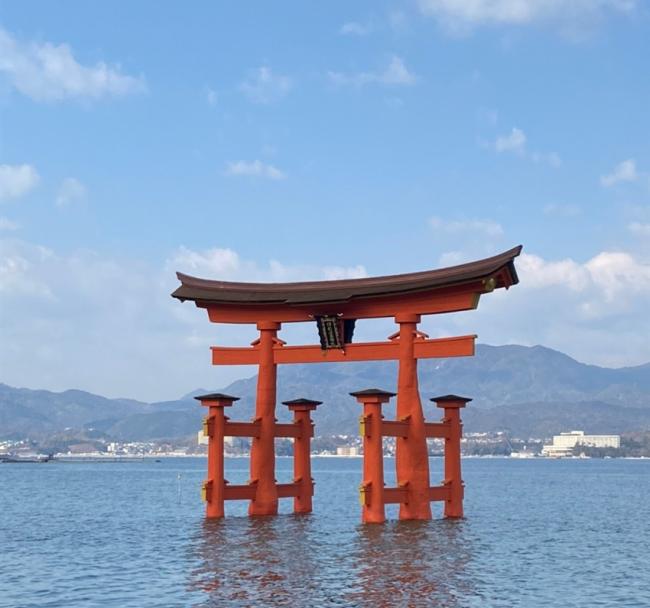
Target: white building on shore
x: 564, y: 443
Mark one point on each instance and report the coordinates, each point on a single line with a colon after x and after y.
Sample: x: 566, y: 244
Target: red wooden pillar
x: 302, y: 452
x: 263, y: 447
x: 453, y: 477
x: 213, y: 427
x: 372, y: 488
x: 411, y: 454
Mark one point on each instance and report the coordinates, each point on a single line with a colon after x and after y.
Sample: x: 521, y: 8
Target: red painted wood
x: 459, y: 346
x: 243, y: 429
x: 240, y: 492
x: 394, y: 428
x: 438, y: 430
x: 262, y: 463
x: 450, y: 299
x: 395, y: 495
x: 290, y: 429
x: 439, y: 493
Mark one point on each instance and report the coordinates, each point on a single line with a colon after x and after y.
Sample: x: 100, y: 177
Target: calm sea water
x: 537, y: 533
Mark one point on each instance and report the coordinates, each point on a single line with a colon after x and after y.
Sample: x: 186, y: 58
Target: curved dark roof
x: 313, y: 292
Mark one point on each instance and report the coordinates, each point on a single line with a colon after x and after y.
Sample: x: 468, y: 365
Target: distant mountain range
x: 527, y: 391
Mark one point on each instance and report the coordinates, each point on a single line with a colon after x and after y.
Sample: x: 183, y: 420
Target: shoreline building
x: 564, y: 443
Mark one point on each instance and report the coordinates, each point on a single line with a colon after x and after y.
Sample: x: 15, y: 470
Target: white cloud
x: 263, y: 86
x: 395, y: 74
x: 48, y: 72
x: 215, y: 263
x: 7, y: 224
x: 17, y: 263
x: 227, y: 265
x: 353, y: 28
x: 594, y: 310
x: 487, y: 227
x: 254, y: 168
x: 128, y: 320
x: 464, y: 14
x: 335, y: 273
x: 17, y: 180
x: 610, y: 281
x: 70, y: 191
x: 538, y: 273
x: 515, y: 141
x: 639, y: 228
x: 623, y: 172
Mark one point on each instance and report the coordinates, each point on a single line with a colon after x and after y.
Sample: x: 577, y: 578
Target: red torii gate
x: 335, y: 306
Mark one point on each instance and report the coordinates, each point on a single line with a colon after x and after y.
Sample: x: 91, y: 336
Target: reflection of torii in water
x: 335, y: 306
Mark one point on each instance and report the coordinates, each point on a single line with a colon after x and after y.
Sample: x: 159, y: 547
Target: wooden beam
x: 242, y: 429
x: 459, y: 346
x: 289, y: 429
x: 395, y: 495
x: 439, y: 493
x: 439, y: 430
x: 241, y: 492
x: 394, y: 428
x: 436, y: 301
x: 287, y: 490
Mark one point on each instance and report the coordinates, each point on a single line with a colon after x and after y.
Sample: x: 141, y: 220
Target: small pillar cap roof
x: 450, y: 398
x: 301, y: 401
x: 370, y: 392
x: 216, y: 397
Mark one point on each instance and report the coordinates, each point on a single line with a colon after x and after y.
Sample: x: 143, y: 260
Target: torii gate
x: 335, y: 306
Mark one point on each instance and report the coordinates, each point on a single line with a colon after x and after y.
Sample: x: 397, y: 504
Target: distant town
x: 569, y: 444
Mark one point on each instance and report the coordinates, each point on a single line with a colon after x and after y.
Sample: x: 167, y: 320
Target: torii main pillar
x: 263, y: 447
x: 412, y: 458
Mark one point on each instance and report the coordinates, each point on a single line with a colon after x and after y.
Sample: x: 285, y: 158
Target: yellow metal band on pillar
x: 362, y: 495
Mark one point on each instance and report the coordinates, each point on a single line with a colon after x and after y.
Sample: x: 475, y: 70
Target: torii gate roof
x: 432, y: 291
x: 500, y: 267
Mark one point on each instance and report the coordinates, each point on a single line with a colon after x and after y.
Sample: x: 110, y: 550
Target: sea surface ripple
x: 571, y: 533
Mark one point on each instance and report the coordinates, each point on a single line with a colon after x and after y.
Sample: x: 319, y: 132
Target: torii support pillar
x: 301, y: 409
x: 451, y: 405
x: 372, y: 489
x: 411, y: 454
x: 214, y: 427
x: 263, y: 448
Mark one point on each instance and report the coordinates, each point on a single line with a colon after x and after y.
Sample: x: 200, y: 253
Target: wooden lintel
x: 448, y: 299
x: 394, y: 428
x: 242, y: 429
x: 438, y: 430
x: 287, y: 490
x: 290, y: 429
x: 395, y: 495
x: 439, y: 492
x: 458, y: 346
x: 241, y: 492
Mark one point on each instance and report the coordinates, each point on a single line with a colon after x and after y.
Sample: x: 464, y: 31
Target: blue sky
x: 276, y: 142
